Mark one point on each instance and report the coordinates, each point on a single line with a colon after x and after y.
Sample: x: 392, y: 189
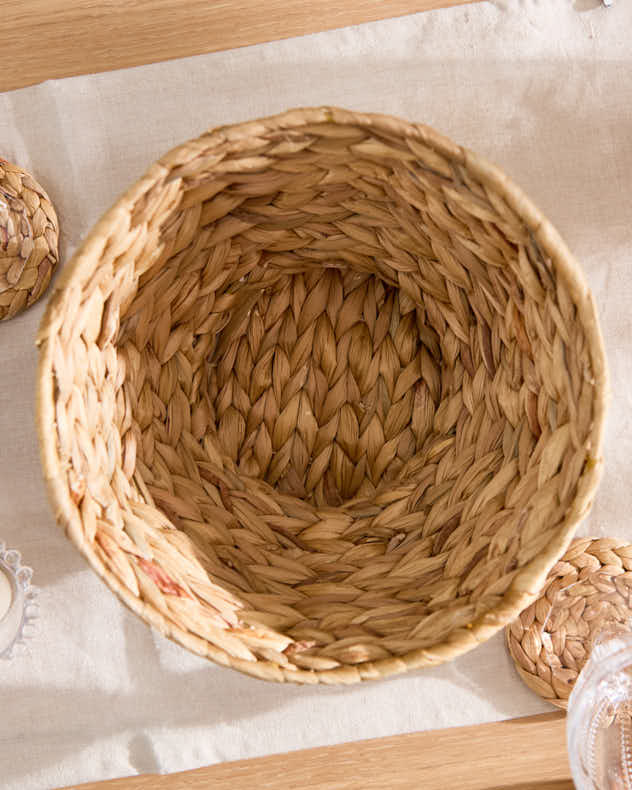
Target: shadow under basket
x: 321, y: 397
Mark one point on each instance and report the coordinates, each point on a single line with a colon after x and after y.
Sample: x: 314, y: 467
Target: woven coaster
x: 29, y: 238
x: 588, y: 593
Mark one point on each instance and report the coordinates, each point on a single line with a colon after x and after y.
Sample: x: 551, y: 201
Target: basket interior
x: 319, y: 390
x: 331, y: 395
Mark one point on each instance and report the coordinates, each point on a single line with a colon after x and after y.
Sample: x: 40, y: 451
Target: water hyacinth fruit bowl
x: 321, y: 397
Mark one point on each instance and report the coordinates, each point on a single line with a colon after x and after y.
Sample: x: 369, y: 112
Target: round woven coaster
x: 29, y: 237
x: 587, y: 593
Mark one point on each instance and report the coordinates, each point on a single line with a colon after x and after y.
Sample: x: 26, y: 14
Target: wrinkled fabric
x: 543, y: 89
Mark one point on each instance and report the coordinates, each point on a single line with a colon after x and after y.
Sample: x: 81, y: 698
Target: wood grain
x: 45, y: 39
x: 510, y: 755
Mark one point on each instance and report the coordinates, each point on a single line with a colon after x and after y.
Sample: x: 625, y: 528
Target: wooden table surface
x: 519, y: 754
x: 45, y: 39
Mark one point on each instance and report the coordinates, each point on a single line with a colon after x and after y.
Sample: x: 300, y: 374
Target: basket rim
x: 525, y: 586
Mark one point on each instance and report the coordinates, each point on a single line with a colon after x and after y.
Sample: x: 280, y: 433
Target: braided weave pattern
x: 321, y: 397
x: 29, y: 238
x: 327, y: 401
x: 588, y: 591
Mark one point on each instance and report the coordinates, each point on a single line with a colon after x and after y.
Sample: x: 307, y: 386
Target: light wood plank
x: 44, y: 39
x: 515, y: 754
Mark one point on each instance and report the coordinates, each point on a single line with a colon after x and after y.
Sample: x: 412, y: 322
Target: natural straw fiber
x: 28, y: 240
x: 321, y: 397
x: 587, y: 592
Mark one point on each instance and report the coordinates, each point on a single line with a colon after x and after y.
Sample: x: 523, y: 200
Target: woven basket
x: 29, y: 239
x: 321, y: 397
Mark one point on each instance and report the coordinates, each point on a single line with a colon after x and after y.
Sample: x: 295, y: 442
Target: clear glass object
x: 599, y: 722
x: 18, y: 608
